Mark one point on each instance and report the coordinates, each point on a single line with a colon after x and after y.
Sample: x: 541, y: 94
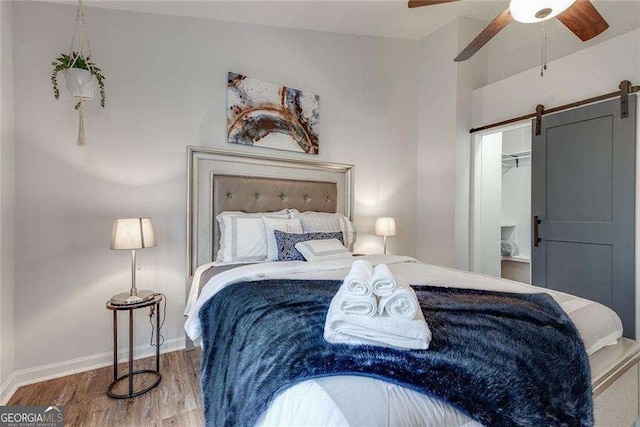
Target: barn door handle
x: 536, y: 235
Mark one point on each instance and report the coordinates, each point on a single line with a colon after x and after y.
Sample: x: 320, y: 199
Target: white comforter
x: 349, y: 400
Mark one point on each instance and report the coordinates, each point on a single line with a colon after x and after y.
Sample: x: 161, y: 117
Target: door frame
x: 475, y: 194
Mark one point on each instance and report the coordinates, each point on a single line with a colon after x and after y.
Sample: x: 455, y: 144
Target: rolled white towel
x: 384, y: 331
x: 382, y: 281
x: 402, y: 303
x: 358, y: 280
x: 366, y: 306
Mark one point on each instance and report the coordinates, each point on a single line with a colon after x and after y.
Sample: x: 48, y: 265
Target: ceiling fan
x: 579, y: 16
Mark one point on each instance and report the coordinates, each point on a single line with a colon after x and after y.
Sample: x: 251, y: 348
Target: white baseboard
x: 7, y: 389
x: 75, y: 366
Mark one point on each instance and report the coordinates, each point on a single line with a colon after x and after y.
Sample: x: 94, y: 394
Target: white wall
x: 443, y: 145
x: 589, y: 72
x: 6, y: 198
x: 166, y: 89
x: 437, y: 85
x: 471, y: 74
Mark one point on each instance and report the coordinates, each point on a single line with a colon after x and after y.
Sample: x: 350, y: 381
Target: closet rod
x: 624, y: 85
x: 506, y: 159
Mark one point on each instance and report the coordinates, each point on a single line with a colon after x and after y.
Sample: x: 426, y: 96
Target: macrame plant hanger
x: 82, y: 48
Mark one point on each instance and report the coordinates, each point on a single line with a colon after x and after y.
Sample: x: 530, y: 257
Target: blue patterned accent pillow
x: 287, y: 243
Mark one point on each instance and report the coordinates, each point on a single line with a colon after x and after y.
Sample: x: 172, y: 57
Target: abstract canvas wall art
x: 265, y: 114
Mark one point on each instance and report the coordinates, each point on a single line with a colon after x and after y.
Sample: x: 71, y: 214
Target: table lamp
x: 132, y: 234
x: 386, y: 227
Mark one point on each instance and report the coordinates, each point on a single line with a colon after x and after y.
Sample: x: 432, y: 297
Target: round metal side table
x: 156, y: 300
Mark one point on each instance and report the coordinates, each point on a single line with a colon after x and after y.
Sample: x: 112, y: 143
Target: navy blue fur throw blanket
x: 504, y: 359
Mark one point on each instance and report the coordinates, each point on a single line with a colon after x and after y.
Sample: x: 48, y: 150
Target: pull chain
x: 543, y: 49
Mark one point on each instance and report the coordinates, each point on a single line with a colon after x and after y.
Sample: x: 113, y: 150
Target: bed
x: 222, y: 181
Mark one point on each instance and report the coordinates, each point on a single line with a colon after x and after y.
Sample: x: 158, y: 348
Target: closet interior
x: 501, y: 244
x: 515, y: 218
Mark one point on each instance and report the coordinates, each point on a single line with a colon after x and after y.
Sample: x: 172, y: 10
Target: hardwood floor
x: 175, y: 402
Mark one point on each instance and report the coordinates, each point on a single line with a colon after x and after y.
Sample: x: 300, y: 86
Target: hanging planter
x: 83, y: 78
x: 81, y: 83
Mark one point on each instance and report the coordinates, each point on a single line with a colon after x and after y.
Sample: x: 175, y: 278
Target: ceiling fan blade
x: 420, y: 3
x: 584, y: 20
x: 487, y: 34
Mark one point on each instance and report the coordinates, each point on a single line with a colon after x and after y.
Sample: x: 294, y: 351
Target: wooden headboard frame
x: 273, y: 178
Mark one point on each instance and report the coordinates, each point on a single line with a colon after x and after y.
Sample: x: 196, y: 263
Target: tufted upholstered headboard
x: 221, y: 180
x: 252, y: 194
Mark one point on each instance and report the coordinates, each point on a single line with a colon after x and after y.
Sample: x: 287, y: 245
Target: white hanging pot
x: 81, y: 83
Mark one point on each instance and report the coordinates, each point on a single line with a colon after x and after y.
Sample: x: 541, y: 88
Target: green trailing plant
x: 76, y: 60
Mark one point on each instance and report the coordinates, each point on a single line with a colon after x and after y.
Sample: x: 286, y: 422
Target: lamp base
x: 125, y: 298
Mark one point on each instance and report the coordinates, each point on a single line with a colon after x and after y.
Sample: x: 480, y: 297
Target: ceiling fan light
x: 530, y: 11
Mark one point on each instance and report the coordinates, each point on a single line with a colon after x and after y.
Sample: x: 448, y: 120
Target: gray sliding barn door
x: 583, y: 194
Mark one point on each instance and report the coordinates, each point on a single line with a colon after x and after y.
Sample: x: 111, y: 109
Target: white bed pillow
x: 322, y: 250
x: 243, y: 237
x: 320, y: 222
x: 292, y: 225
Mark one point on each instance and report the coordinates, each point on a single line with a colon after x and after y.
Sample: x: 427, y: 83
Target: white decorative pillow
x: 319, y: 222
x: 281, y: 224
x: 243, y: 237
x: 322, y: 250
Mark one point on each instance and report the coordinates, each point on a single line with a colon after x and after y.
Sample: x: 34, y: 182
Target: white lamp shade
x: 528, y: 11
x: 386, y: 226
x: 132, y: 233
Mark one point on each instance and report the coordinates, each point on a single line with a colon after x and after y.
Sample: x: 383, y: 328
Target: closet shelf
x: 516, y: 258
x: 525, y: 153
x: 515, y: 157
